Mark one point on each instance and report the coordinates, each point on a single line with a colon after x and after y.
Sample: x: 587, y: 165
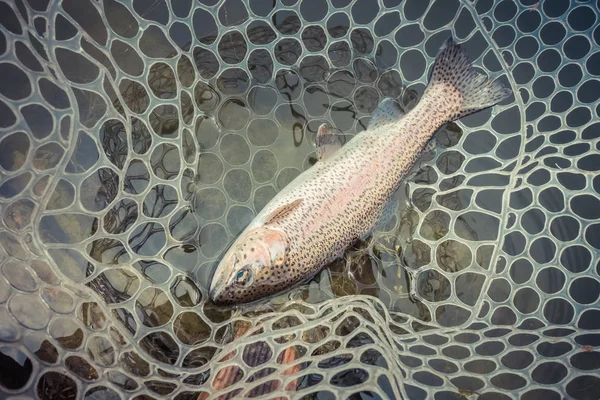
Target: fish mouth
x: 219, y: 278
x: 214, y: 293
x: 216, y: 287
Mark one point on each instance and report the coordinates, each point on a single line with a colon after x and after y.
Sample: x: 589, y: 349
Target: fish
x: 340, y: 199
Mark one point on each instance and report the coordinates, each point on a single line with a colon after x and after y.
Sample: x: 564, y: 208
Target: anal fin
x: 388, y: 212
x: 430, y: 147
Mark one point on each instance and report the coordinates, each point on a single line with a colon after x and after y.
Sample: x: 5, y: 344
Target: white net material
x: 138, y: 138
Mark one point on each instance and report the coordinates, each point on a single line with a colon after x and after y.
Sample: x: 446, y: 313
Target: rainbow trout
x: 340, y: 199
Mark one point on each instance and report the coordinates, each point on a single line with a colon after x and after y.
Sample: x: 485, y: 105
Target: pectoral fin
x: 281, y: 212
x: 387, y: 112
x: 328, y: 142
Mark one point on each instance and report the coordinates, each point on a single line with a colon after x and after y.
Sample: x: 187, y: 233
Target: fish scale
x: 331, y: 205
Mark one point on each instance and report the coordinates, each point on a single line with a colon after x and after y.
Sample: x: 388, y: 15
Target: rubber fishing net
x: 138, y: 138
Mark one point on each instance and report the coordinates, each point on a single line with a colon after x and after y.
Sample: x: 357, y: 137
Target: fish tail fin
x: 463, y: 89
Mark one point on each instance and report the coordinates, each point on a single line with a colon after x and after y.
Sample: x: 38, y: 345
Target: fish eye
x: 242, y: 278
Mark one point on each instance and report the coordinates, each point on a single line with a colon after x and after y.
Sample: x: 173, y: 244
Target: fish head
x: 251, y: 268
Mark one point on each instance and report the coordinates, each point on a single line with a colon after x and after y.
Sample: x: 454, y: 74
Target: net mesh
x: 138, y: 138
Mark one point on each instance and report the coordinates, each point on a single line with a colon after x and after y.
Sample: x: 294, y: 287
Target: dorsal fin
x: 328, y: 142
x: 281, y: 212
x: 387, y: 111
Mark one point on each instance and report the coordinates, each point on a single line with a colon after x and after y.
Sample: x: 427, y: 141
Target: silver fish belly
x: 328, y: 207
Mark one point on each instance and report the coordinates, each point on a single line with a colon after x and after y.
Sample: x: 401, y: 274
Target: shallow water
x: 138, y: 139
